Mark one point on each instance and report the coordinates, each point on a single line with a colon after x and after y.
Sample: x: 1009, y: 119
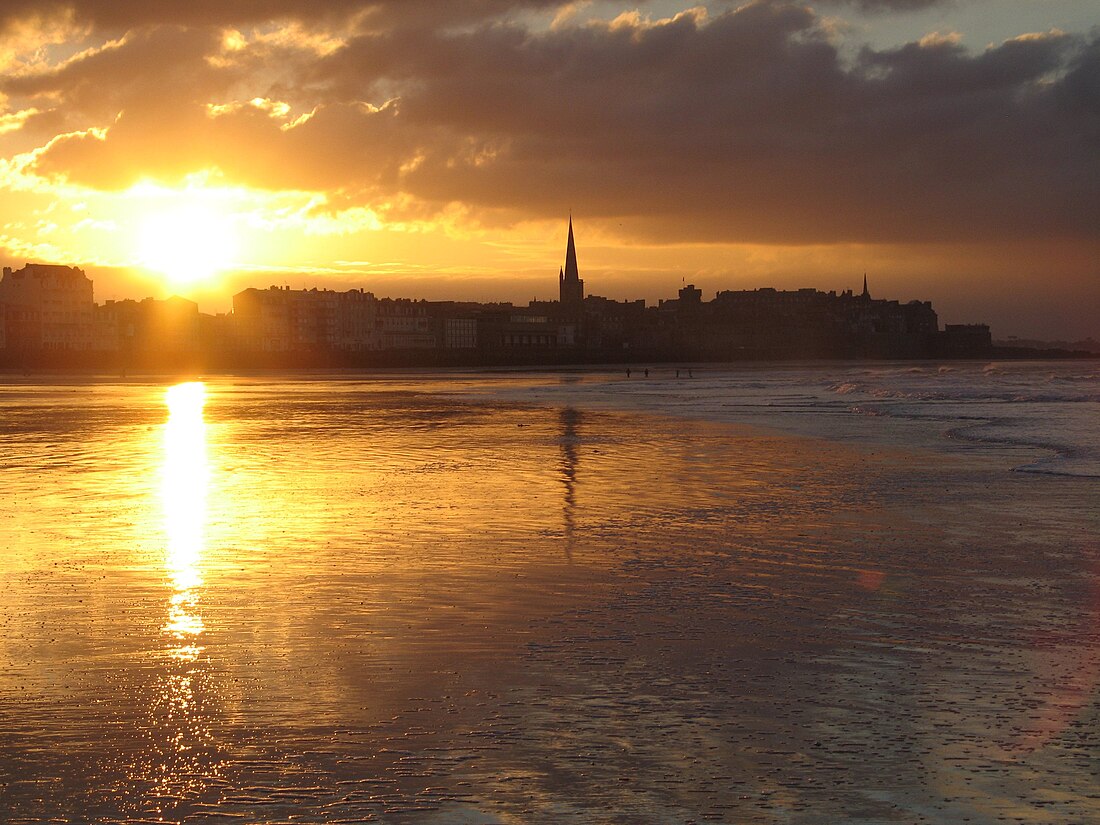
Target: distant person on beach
x: 647, y: 372
x: 628, y: 372
x: 690, y: 375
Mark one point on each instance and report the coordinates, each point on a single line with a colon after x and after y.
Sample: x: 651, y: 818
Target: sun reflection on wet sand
x: 183, y: 742
x: 184, y: 483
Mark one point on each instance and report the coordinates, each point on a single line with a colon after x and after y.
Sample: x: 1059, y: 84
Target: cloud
x: 122, y: 15
x: 338, y: 146
x: 153, y: 72
x: 745, y: 127
x: 15, y: 120
x: 884, y: 6
x: 741, y: 126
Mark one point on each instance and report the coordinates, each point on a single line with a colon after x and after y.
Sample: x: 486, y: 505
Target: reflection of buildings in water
x: 570, y: 419
x: 182, y: 740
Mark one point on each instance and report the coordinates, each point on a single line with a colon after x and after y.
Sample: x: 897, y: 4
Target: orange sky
x: 431, y: 149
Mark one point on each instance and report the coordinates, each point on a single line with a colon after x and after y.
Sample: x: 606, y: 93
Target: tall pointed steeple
x: 571, y: 272
x: 570, y: 285
x: 866, y: 293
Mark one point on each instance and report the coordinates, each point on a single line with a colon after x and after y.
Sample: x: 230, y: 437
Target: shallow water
x: 472, y: 598
x: 1041, y: 413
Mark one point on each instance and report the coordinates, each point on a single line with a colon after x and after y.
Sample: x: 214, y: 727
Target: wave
x: 968, y: 394
x: 1063, y: 459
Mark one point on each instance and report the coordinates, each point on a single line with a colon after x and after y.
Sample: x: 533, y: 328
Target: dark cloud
x: 876, y: 6
x: 1080, y: 90
x: 121, y: 15
x: 162, y: 66
x: 745, y: 127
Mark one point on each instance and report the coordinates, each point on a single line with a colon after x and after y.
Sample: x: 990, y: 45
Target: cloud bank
x: 742, y: 125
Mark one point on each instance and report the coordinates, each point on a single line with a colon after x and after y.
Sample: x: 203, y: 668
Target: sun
x: 188, y: 243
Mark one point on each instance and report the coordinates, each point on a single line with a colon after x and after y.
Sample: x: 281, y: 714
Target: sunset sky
x: 433, y: 148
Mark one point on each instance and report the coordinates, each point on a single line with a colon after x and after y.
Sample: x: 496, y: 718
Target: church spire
x: 571, y: 272
x: 570, y: 285
x: 866, y: 293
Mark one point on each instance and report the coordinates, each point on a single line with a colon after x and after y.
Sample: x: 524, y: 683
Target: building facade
x: 280, y: 319
x: 47, y: 307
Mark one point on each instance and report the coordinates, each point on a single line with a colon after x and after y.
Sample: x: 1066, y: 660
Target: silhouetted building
x: 280, y: 319
x: 964, y: 340
x: 615, y: 325
x: 805, y: 323
x: 151, y: 326
x: 459, y: 333
x: 690, y: 296
x: 262, y: 319
x: 354, y: 322
x: 47, y: 307
x: 512, y: 330
x: 570, y: 285
x: 455, y: 324
x: 405, y: 324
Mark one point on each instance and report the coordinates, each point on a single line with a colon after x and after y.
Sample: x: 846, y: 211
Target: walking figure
x: 647, y: 372
x: 690, y: 375
x: 628, y: 372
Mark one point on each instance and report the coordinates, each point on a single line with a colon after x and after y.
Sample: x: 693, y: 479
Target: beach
x: 813, y: 595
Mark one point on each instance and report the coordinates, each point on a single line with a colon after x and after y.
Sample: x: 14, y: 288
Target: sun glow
x: 188, y: 243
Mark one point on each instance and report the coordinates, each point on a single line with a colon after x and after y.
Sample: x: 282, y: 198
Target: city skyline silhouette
x: 432, y: 152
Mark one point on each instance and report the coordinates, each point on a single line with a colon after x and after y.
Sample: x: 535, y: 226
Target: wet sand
x: 400, y: 607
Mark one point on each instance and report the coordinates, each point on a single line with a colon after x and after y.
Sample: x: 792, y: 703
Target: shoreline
x: 845, y: 405
x: 173, y: 363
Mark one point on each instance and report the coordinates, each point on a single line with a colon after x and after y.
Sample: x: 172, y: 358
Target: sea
x: 1045, y: 409
x: 860, y: 592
